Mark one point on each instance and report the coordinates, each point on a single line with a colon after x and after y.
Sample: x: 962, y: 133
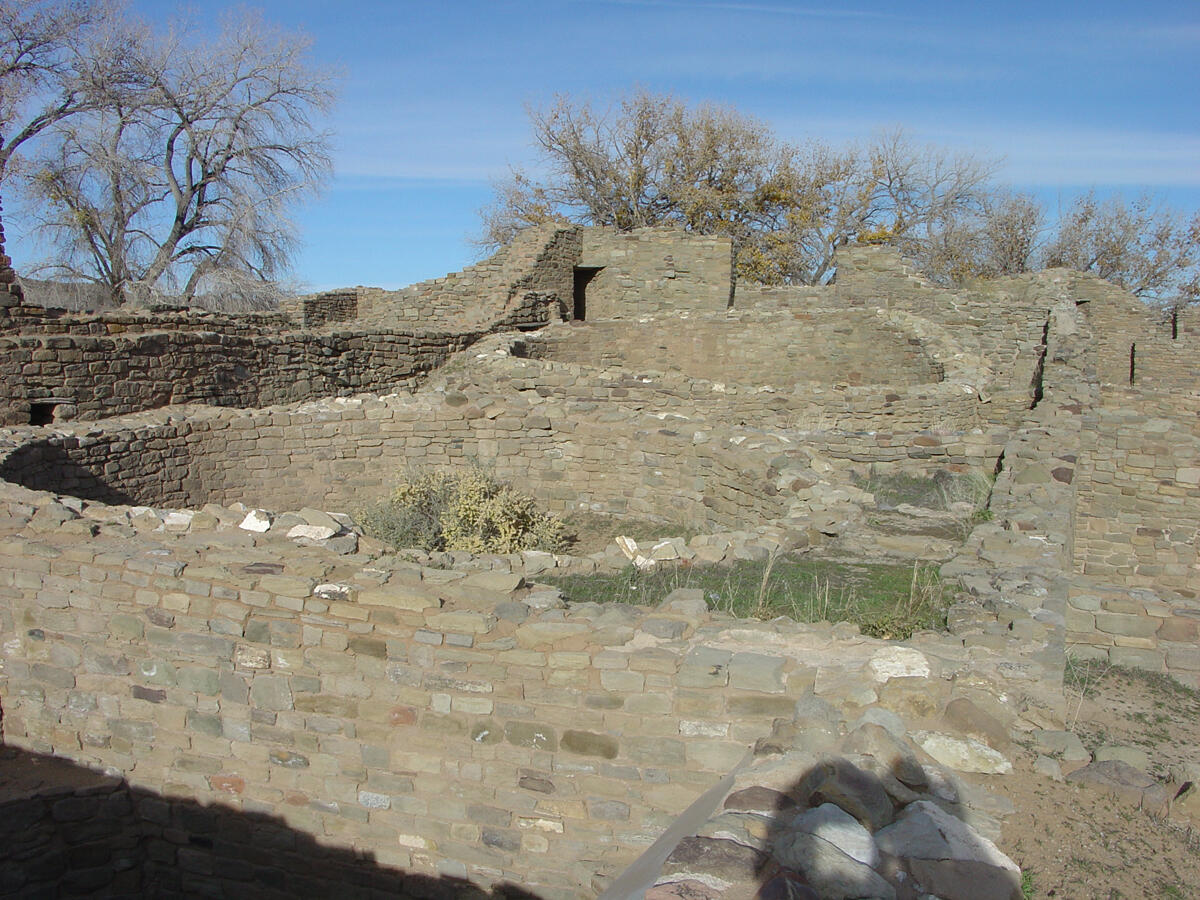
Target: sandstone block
x: 400, y: 596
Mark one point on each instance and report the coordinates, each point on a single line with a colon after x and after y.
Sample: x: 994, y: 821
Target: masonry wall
x: 854, y: 350
x: 1140, y: 511
x: 653, y: 270
x: 94, y: 377
x: 538, y: 262
x: 933, y: 423
x: 319, y: 310
x: 345, y: 456
x: 430, y: 722
x: 66, y: 831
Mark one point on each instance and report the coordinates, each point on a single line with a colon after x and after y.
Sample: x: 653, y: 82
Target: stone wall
x: 319, y: 310
x: 445, y: 721
x: 66, y: 831
x: 538, y: 262
x: 85, y: 377
x: 345, y: 455
x: 851, y: 349
x: 655, y: 270
x: 10, y: 288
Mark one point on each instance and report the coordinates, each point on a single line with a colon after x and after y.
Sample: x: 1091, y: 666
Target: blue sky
x: 432, y: 104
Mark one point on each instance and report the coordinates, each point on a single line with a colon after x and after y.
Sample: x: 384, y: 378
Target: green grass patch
x: 940, y: 491
x: 885, y: 601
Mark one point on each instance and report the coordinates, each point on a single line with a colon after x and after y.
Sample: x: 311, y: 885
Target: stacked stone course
x: 463, y: 723
x: 650, y: 271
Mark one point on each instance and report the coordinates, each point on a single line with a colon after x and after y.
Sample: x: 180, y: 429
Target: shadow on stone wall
x: 48, y: 466
x: 68, y: 831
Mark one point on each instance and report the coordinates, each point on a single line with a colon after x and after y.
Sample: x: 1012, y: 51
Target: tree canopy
x: 165, y: 161
x: 651, y: 159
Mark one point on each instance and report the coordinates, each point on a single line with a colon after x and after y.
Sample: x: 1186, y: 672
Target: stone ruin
x: 213, y: 684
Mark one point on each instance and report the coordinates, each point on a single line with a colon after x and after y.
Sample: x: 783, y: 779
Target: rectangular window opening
x: 41, y: 413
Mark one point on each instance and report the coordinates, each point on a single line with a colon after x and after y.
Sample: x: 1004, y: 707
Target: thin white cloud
x: 1036, y: 153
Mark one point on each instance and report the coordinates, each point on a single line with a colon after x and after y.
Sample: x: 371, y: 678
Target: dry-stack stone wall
x: 444, y: 720
x: 461, y: 723
x: 527, y: 283
x: 851, y: 349
x: 10, y: 288
x: 89, y: 377
x: 345, y: 455
x: 654, y: 270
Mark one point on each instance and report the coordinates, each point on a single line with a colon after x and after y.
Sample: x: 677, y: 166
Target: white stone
x: 963, y: 754
x: 415, y: 841
x: 703, y: 729
x: 311, y: 532
x: 664, y: 550
x: 178, y: 520
x: 628, y: 546
x: 333, y: 591
x: 258, y: 520
x: 899, y: 662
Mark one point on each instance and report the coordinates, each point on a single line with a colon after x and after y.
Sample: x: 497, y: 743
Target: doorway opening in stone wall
x: 583, y: 277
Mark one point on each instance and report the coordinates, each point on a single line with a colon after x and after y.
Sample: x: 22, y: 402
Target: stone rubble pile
x: 867, y: 814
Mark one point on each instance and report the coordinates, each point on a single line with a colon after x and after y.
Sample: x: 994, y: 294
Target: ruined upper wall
x: 654, y: 270
x: 539, y: 263
x: 10, y: 289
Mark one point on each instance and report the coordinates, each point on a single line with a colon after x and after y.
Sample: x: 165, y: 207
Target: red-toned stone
x: 403, y: 715
x: 230, y: 784
x: 1178, y: 628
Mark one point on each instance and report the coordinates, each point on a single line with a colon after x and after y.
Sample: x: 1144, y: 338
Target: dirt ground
x: 1075, y: 841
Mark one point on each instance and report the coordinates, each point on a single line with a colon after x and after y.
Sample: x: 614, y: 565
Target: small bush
x: 466, y: 510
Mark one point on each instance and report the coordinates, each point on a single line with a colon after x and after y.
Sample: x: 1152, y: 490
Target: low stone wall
x: 319, y: 310
x: 94, y: 377
x: 36, y: 320
x: 347, y: 454
x: 449, y: 721
x: 68, y: 831
x: 655, y: 270
x: 834, y: 348
x: 939, y: 423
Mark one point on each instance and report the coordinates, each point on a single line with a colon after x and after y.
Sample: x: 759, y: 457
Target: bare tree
x: 651, y: 159
x: 187, y: 173
x: 50, y: 56
x: 1000, y: 237
x: 1144, y: 246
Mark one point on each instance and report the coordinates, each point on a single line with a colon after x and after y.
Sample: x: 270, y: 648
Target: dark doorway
x: 41, y: 413
x: 583, y: 277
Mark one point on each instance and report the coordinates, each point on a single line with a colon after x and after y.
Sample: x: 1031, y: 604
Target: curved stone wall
x: 346, y: 454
